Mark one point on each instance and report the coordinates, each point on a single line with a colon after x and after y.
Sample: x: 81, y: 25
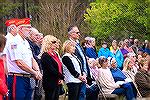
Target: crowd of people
x: 122, y: 68
x: 27, y: 55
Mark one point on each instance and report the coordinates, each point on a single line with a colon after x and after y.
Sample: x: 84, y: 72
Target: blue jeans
x: 125, y: 89
x: 82, y: 94
x: 23, y: 88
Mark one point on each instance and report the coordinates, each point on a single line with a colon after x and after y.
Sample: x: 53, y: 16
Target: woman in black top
x: 52, y: 68
x: 72, y: 70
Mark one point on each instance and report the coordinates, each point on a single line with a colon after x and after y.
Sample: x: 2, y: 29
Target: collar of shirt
x: 9, y: 36
x: 20, y: 39
x: 77, y: 41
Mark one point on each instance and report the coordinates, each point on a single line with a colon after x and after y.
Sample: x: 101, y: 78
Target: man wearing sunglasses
x: 74, y: 35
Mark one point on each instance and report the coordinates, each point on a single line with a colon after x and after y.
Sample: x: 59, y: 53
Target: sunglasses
x: 54, y: 42
x: 77, y: 32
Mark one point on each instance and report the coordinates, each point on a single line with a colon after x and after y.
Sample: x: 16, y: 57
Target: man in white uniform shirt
x: 24, y: 65
x: 11, y: 33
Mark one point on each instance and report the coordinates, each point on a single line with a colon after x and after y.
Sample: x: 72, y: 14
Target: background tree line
x: 48, y: 16
x: 102, y: 19
x: 119, y: 19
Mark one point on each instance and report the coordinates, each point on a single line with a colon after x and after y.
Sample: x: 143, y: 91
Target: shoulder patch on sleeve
x: 14, y: 46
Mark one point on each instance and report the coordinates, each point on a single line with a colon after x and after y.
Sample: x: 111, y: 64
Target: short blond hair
x: 67, y: 44
x: 126, y: 64
x: 47, y: 43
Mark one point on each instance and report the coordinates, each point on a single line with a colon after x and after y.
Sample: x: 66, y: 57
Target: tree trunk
x: 55, y: 17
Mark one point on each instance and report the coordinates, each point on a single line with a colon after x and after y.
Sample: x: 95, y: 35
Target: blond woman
x: 72, y: 70
x: 130, y: 67
x: 52, y: 68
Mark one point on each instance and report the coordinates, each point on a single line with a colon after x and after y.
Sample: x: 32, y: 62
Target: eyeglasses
x: 105, y: 60
x: 76, y: 32
x: 114, y: 62
x: 54, y: 42
x: 27, y: 27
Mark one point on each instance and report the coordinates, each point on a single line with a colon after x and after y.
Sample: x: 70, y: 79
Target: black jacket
x: 35, y: 51
x: 51, y: 75
x: 77, y: 53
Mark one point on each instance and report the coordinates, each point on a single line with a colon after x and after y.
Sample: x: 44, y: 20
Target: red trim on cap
x: 24, y: 21
x: 11, y: 21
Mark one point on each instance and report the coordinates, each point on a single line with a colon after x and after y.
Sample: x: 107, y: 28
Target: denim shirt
x: 117, y: 74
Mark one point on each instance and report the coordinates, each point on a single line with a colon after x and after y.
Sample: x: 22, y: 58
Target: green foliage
x: 33, y: 9
x: 7, y: 7
x: 117, y: 17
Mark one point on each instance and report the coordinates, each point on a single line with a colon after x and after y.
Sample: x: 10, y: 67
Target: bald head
x: 34, y: 34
